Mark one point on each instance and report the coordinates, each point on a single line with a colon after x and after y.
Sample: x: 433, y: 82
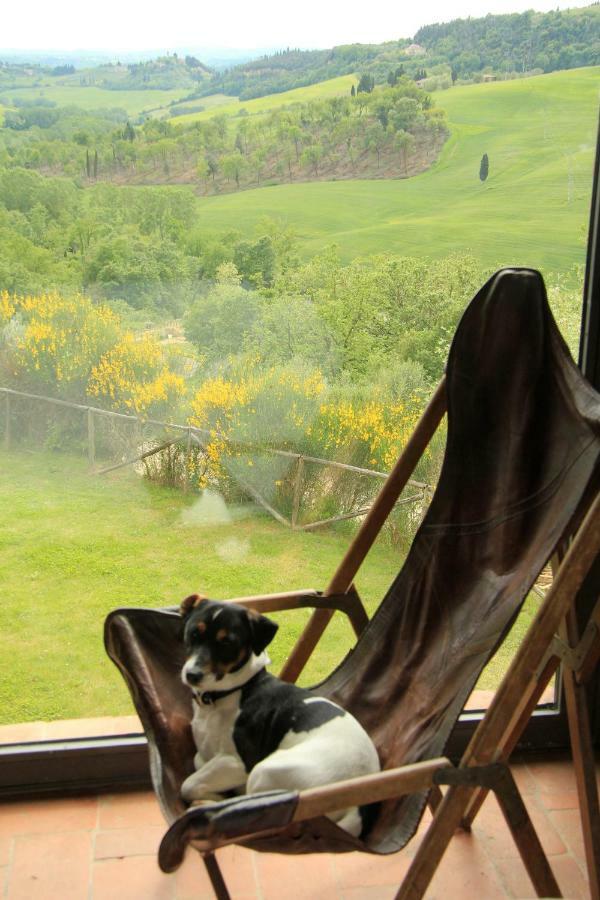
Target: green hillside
x: 539, y: 134
x: 230, y: 106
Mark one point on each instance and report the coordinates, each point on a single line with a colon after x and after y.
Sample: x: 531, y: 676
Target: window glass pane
x: 240, y: 276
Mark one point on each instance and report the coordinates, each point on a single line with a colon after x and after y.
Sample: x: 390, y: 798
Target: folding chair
x: 518, y: 487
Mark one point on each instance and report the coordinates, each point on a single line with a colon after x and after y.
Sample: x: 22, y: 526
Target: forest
x: 335, y: 137
x: 499, y: 44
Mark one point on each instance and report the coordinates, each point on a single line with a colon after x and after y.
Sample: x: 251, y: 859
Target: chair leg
x: 525, y: 836
x: 462, y: 784
x: 216, y: 877
x: 433, y: 846
x: 583, y: 762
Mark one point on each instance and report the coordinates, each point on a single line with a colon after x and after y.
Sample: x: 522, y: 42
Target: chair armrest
x: 348, y: 603
x: 216, y: 824
x: 374, y: 788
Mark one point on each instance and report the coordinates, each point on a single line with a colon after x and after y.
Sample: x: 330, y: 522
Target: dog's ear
x: 191, y: 603
x: 262, y: 631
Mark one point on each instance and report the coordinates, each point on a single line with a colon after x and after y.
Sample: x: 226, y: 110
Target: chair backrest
x: 520, y: 467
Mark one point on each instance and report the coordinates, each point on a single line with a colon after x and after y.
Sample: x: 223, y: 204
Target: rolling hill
x: 539, y: 134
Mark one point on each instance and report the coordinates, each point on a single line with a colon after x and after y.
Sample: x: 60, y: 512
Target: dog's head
x: 219, y: 639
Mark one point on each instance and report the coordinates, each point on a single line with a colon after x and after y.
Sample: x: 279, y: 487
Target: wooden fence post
x: 188, y: 455
x: 297, y: 491
x: 91, y: 439
x: 7, y: 422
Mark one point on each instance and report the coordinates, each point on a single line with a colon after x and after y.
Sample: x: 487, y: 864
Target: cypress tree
x: 484, y: 167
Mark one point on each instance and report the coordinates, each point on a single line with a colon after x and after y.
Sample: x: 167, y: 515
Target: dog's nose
x: 194, y: 677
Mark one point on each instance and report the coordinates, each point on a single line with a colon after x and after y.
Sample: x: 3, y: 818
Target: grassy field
x: 74, y: 547
x: 213, y: 103
x: 133, y: 102
x: 539, y: 134
x: 334, y: 87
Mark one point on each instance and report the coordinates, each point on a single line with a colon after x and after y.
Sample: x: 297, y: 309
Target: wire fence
x: 300, y: 491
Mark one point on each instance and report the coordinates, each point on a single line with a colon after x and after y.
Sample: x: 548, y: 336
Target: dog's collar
x: 207, y: 698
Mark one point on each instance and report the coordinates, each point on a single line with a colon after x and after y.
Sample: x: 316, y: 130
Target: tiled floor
x: 104, y: 848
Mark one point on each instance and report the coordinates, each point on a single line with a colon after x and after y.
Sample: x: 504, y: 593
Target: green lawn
x: 539, y: 134
x: 76, y: 546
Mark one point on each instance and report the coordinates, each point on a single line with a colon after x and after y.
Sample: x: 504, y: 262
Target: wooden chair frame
x: 483, y: 766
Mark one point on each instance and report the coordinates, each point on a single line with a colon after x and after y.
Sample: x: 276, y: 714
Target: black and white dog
x: 252, y: 731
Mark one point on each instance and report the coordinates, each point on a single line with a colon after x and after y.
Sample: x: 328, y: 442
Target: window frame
x: 112, y: 763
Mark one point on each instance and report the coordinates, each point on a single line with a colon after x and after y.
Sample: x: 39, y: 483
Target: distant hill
x: 165, y: 73
x: 560, y: 39
x: 500, y: 44
x: 290, y: 68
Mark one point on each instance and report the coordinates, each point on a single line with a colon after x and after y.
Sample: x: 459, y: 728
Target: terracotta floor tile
x: 192, y: 883
x: 524, y: 779
x: 465, y: 872
x: 491, y: 828
x: 237, y: 865
x: 514, y: 878
x: 6, y: 844
x: 571, y: 881
x: 568, y: 824
x: 309, y: 877
x: 555, y: 777
x: 119, y: 842
x: 366, y: 870
x: 39, y: 816
x: 132, y: 878
x: 369, y: 893
x: 562, y: 800
x: 123, y: 831
x: 51, y: 866
x: 129, y: 811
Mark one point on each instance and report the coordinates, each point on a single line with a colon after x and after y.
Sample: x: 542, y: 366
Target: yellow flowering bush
x: 134, y: 375
x: 370, y: 434
x: 73, y: 347
x: 58, y: 339
x: 253, y: 408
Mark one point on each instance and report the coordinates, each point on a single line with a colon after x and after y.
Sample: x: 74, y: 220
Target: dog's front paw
x: 193, y: 789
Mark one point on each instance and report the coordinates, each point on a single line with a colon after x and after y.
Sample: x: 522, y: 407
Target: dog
x: 252, y: 731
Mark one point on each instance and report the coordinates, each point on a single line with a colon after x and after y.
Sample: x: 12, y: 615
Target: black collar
x: 207, y: 698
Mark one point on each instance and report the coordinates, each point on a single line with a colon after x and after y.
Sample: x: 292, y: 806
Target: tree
x: 365, y: 84
x: 255, y: 261
x: 129, y: 132
x: 202, y: 169
x: 375, y: 136
x: 403, y: 141
x: 233, y: 166
x: 312, y: 157
x: 257, y: 161
x: 353, y: 91
x: 217, y: 322
x: 484, y: 167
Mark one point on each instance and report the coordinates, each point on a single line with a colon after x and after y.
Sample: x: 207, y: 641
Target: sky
x: 121, y: 25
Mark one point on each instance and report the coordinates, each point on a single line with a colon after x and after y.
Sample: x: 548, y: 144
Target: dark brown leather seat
x: 521, y: 464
